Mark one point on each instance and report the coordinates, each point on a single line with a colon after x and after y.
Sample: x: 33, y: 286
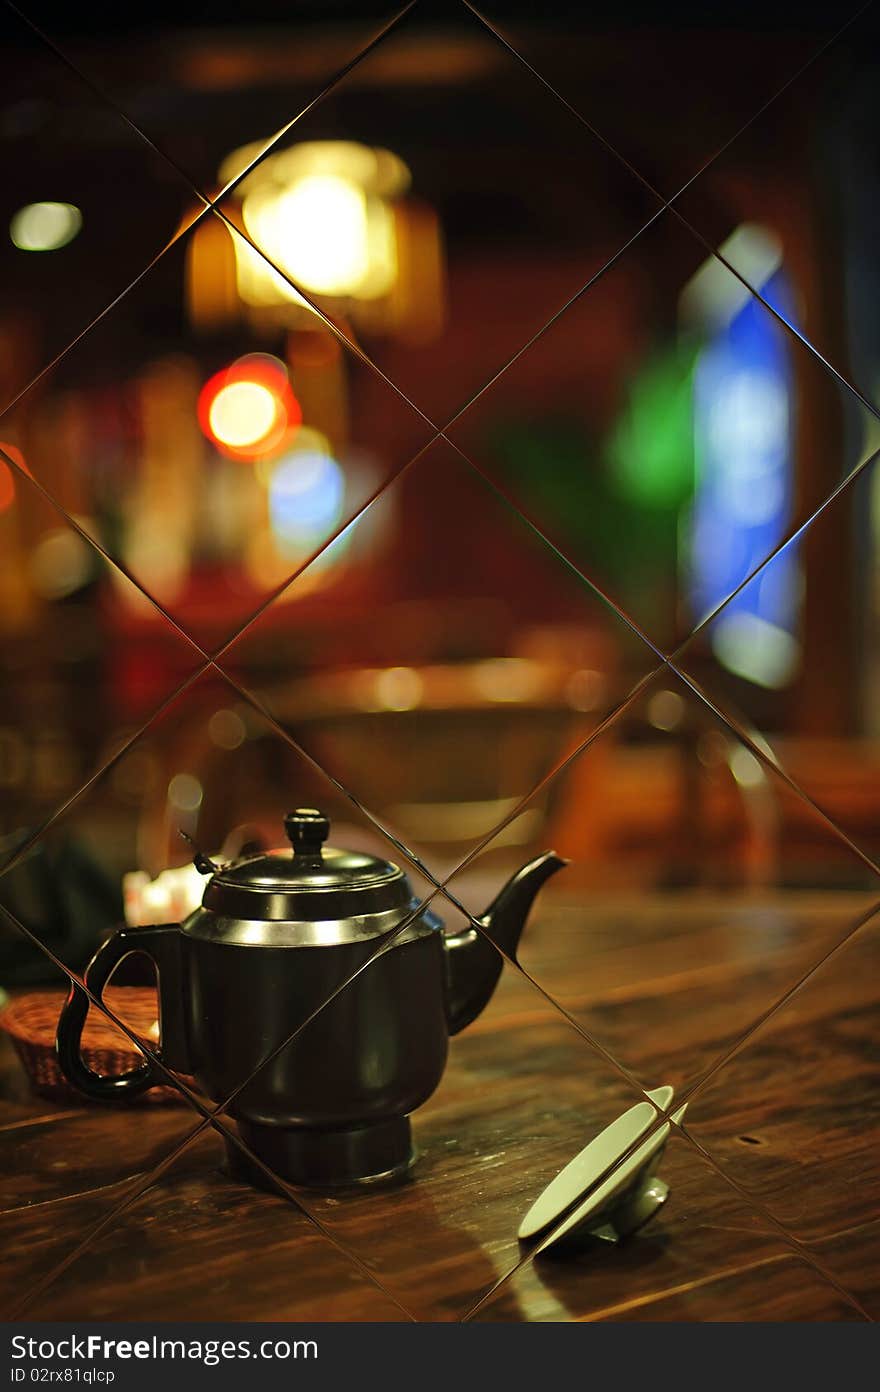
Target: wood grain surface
x: 774, y: 1207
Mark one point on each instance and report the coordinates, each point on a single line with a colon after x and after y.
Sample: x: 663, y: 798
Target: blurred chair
x: 665, y: 798
x: 440, y: 752
x: 443, y: 752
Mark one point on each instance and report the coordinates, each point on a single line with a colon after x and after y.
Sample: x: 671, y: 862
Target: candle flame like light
x: 45, y: 226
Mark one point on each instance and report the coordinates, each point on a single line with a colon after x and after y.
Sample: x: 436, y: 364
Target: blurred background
x: 597, y: 497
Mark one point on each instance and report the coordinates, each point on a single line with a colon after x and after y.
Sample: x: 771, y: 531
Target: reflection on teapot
x: 276, y: 935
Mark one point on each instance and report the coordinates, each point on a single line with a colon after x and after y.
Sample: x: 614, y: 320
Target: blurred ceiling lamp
x: 249, y: 410
x: 331, y: 216
x: 45, y: 226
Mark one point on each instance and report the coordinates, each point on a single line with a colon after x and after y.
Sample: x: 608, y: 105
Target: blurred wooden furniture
x: 443, y: 752
x: 440, y: 752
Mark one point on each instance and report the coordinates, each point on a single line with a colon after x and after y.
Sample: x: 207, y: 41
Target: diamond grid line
x: 669, y: 659
x: 401, y: 928
x: 620, y: 612
x: 208, y: 203
x: 771, y: 763
x: 440, y: 433
x: 687, y: 1097
x: 843, y: 1292
x: 713, y: 252
x: 141, y: 1188
x: 498, y: 33
x: 270, y: 601
x: 387, y: 941
x: 478, y: 926
x: 668, y: 662
x: 335, y: 328
x: 589, y: 1039
x: 771, y: 1218
x: 386, y: 946
x: 210, y: 1118
x: 787, y: 1237
x: 748, y: 1199
x: 50, y: 366
x: 248, y: 696
x: 814, y: 58
x: 772, y: 1010
x: 208, y: 660
x: 668, y: 203
x: 279, y: 135
x: 415, y: 860
x: 329, y: 323
x: 442, y: 886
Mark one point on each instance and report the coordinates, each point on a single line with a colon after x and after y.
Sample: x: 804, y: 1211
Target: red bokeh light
x: 249, y: 410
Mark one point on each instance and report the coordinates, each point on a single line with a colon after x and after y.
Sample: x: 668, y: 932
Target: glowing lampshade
x: 249, y: 409
x: 322, y: 213
x: 326, y: 234
x: 325, y: 219
x: 45, y: 226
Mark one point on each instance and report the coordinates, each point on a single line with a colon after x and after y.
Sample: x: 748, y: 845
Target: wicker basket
x: 31, y: 1021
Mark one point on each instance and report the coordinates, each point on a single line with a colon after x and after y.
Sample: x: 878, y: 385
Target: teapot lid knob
x: 307, y: 829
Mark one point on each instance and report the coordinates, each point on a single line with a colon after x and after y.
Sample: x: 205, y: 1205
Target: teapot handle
x: 162, y: 944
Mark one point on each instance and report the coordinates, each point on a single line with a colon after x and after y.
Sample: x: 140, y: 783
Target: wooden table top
x: 774, y: 1207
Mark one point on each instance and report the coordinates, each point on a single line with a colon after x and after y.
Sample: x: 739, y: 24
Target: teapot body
x: 374, y: 1051
x: 315, y: 1037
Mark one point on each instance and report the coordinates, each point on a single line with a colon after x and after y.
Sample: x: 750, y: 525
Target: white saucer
x: 578, y: 1180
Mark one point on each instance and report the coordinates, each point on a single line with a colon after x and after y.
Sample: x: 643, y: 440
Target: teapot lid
x: 310, y: 881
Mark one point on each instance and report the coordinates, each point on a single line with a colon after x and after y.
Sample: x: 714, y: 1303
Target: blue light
x: 306, y: 495
x: 743, y: 504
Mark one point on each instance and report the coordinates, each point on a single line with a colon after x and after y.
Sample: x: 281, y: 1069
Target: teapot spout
x: 473, y: 966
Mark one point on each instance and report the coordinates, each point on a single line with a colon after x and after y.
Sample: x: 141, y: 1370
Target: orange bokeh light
x: 7, y: 479
x: 248, y: 410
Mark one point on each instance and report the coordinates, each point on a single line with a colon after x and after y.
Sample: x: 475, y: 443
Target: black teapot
x: 277, y: 934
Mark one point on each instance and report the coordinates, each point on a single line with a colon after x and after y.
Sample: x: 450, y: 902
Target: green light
x: 650, y: 452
